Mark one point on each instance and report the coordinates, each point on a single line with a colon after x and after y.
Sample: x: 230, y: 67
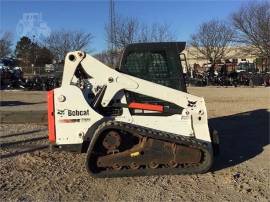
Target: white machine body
x: 71, y: 114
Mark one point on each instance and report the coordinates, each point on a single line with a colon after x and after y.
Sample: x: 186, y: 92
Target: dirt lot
x: 30, y: 172
x: 23, y: 107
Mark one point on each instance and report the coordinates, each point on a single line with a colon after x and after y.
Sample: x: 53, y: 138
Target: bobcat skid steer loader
x: 138, y: 120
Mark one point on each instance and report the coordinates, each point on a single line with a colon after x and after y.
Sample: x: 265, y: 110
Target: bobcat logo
x: 61, y: 112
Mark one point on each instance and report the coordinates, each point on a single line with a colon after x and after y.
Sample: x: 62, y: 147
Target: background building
x: 235, y: 56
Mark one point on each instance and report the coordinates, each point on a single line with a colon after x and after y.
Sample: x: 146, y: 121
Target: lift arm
x: 116, y: 81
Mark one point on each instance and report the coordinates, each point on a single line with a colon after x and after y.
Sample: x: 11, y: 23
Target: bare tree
x: 105, y: 57
x: 5, y: 44
x: 252, y: 21
x: 155, y: 33
x: 212, y: 40
x: 125, y: 32
x: 129, y: 30
x: 63, y: 41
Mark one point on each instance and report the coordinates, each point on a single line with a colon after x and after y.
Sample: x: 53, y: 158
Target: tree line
x: 53, y: 48
x: 250, y: 26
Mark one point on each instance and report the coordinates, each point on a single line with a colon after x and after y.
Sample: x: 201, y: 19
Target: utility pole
x: 112, y: 31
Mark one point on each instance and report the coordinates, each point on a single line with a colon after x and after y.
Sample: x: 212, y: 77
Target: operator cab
x: 156, y: 62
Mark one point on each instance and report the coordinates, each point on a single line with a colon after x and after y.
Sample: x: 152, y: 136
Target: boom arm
x: 116, y: 81
x: 193, y: 106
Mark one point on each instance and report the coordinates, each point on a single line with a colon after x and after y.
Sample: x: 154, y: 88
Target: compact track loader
x: 138, y: 120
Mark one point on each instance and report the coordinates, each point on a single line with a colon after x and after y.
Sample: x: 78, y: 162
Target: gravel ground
x: 30, y: 172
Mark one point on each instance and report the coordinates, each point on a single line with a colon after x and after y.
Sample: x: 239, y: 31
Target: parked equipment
x: 139, y: 120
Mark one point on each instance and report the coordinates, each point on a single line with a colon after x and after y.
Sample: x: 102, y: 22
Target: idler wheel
x: 134, y: 166
x: 172, y: 164
x: 116, y: 166
x: 112, y: 140
x: 153, y: 165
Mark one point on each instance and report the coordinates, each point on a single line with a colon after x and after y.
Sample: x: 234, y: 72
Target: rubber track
x: 160, y: 135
